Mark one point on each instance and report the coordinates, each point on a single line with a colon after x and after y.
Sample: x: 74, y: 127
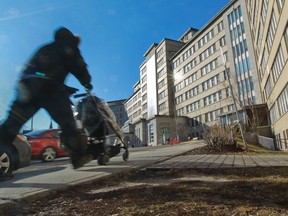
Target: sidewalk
x: 222, y: 161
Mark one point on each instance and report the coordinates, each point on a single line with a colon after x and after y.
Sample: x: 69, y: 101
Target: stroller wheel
x: 103, y: 159
x: 125, y: 156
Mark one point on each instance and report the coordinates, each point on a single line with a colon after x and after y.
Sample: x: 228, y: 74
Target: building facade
x: 269, y: 28
x: 187, y: 83
x: 119, y: 111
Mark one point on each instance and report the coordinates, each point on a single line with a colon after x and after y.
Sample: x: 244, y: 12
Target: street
x: 39, y: 177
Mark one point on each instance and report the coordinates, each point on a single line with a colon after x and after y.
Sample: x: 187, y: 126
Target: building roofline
x: 189, y: 29
x: 203, y: 28
x: 150, y: 48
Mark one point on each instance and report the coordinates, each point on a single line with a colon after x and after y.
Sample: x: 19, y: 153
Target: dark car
x: 45, y: 144
x: 18, y: 157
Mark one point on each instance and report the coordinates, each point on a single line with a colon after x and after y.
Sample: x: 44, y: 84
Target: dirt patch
x: 233, y: 191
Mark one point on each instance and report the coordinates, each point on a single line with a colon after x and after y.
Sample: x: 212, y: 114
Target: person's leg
x: 58, y: 105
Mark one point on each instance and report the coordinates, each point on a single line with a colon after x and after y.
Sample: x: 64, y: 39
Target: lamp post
x: 234, y: 101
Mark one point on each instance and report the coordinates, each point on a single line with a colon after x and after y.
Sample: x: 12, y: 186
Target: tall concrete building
x: 119, y: 111
x: 187, y: 83
x: 269, y: 28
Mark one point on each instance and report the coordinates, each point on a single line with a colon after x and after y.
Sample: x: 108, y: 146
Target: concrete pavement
x: 39, y: 178
x: 42, y: 178
x: 222, y: 161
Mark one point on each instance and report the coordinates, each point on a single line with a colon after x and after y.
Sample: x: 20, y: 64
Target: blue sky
x: 114, y: 33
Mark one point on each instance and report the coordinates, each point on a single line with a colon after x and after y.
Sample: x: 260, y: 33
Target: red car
x: 45, y: 144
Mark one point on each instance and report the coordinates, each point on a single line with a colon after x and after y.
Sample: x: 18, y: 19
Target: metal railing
x: 266, y: 142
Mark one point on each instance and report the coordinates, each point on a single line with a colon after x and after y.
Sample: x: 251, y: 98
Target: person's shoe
x: 6, y: 176
x: 81, y: 161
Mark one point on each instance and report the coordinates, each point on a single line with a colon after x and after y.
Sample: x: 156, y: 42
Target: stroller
x: 98, y: 124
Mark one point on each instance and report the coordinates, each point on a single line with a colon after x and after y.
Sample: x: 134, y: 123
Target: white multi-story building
x: 184, y: 84
x: 269, y: 28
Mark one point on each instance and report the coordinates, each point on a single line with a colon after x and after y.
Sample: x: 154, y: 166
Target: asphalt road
x: 40, y: 178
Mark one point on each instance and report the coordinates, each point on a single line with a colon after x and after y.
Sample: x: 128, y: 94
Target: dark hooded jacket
x: 57, y: 59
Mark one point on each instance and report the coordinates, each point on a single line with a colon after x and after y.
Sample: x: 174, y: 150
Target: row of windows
x: 192, y: 92
x: 213, y: 98
x: 201, y: 43
x: 234, y: 16
x: 209, y: 67
x: 211, y: 82
x: 133, y: 100
x: 278, y: 64
x: 206, y: 38
x: 242, y: 65
x: 193, y: 106
x: 282, y: 103
x: 188, y: 53
x: 189, y: 66
x: 208, y: 52
x: 205, y: 85
x: 240, y: 48
x: 212, y: 116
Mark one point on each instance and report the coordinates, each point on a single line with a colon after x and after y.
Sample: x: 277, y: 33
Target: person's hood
x: 65, y: 36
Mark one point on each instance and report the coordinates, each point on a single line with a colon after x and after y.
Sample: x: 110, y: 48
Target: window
x: 160, y: 63
x: 191, y: 93
x: 278, y: 141
x: 220, y: 26
x: 144, y: 107
x: 222, y: 41
x: 283, y: 101
x: 144, y: 79
x: 271, y: 32
x: 209, y: 67
x: 144, y: 97
x: 160, y: 52
x: 231, y: 108
x: 189, y: 66
x: 180, y: 112
x: 260, y: 37
x: 161, y: 84
x: 193, y: 106
x: 272, y: 113
x: 161, y: 95
x: 228, y: 92
x: 188, y: 53
x: 286, y: 36
x: 280, y: 4
x: 160, y: 73
x: 278, y: 64
x: 210, y: 83
x: 162, y: 106
x: 179, y: 99
x: 204, y: 55
x: 264, y: 10
x: 206, y: 38
x: 213, y: 98
x: 177, y: 63
x: 264, y: 62
x: 190, y: 79
x: 143, y: 71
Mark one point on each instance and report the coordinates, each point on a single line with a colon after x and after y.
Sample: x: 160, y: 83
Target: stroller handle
x: 80, y: 95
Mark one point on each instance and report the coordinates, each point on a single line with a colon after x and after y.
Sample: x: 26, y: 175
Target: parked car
x: 18, y: 157
x: 45, y: 144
